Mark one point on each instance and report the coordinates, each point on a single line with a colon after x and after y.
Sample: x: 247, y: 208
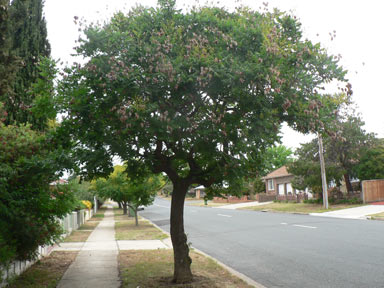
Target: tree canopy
x: 371, y: 165
x: 129, y: 191
x: 198, y: 95
x: 342, y: 154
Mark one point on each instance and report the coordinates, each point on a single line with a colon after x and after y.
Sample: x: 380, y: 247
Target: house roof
x: 280, y: 172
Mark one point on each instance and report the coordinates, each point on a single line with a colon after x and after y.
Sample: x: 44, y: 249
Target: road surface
x: 285, y: 250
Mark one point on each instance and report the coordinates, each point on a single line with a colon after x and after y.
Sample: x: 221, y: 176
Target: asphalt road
x: 285, y: 250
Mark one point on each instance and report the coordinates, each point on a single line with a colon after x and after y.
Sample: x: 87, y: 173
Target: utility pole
x: 323, y: 177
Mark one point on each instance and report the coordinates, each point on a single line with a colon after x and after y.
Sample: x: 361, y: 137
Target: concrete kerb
x: 243, y: 277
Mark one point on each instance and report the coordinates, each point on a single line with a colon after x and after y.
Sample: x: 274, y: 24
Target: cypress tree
x: 8, y: 61
x: 29, y: 43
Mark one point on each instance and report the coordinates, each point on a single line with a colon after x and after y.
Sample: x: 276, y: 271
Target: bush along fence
x: 69, y: 223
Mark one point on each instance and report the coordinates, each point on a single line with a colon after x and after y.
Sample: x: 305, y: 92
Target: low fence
x: 293, y: 197
x: 263, y: 197
x: 231, y: 199
x: 372, y: 190
x: 69, y: 223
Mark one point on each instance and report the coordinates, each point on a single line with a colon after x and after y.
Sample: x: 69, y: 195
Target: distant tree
x: 306, y: 169
x: 81, y: 189
x: 371, y: 164
x: 130, y: 191
x: 198, y: 96
x: 347, y: 147
x: 276, y: 157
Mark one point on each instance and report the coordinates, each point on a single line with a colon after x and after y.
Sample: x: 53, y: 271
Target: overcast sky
x: 358, y: 26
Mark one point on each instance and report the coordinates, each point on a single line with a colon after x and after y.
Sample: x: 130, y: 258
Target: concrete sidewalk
x: 96, y: 264
x: 362, y: 212
x: 241, y: 205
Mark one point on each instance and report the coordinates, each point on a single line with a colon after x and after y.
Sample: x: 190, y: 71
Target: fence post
x: 362, y: 191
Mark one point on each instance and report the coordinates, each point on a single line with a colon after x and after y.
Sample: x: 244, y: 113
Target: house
x: 278, y: 182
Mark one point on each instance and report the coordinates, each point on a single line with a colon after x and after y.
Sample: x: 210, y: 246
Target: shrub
x: 29, y: 207
x: 87, y: 204
x: 313, y: 201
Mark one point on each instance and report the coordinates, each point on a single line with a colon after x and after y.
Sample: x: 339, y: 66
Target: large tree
x: 196, y: 95
x: 347, y: 147
x: 306, y: 168
x: 342, y: 153
x: 29, y: 43
x: 9, y: 64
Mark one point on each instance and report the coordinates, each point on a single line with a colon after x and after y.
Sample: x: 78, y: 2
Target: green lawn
x: 125, y: 228
x: 299, y: 207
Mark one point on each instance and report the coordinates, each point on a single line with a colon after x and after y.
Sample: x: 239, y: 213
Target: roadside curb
x: 243, y: 277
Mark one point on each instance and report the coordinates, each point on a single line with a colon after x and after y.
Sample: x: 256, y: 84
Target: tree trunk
x: 124, y: 208
x: 348, y: 183
x: 182, y: 261
x: 130, y: 211
x: 120, y: 206
x: 136, y: 220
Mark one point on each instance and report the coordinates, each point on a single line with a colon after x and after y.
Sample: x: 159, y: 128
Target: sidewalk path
x: 96, y: 264
x: 241, y: 205
x: 353, y: 213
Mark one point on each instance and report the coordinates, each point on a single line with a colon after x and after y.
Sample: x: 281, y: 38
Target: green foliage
x: 82, y: 189
x: 313, y: 201
x: 371, y: 164
x: 198, y: 96
x: 29, y: 208
x: 28, y: 42
x: 276, y: 157
x: 348, y: 145
x: 307, y: 168
x: 134, y: 191
x: 351, y: 201
x: 8, y: 61
x: 342, y: 153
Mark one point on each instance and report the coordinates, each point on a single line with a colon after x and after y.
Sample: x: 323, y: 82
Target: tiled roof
x: 280, y: 172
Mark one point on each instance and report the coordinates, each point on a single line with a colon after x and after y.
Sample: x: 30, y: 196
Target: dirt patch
x: 89, y: 225
x: 78, y: 236
x: 154, y: 268
x: 47, y: 272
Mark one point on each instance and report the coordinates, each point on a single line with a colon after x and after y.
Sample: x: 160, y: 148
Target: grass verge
x: 299, y: 207
x: 89, y: 225
x: 125, y: 228
x: 45, y: 273
x: 378, y: 216
x: 77, y: 236
x: 154, y: 268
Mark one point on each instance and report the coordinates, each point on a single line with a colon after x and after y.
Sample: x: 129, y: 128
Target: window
x: 270, y: 185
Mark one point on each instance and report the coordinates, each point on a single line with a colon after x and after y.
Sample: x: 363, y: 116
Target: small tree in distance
x: 198, y: 96
x: 130, y: 192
